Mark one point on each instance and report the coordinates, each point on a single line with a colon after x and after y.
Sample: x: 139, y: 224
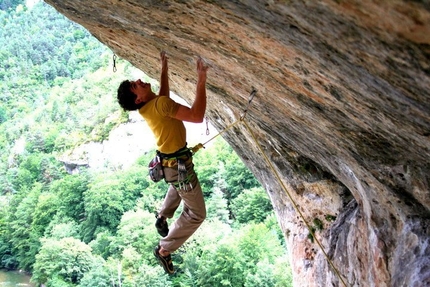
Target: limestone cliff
x: 342, y: 112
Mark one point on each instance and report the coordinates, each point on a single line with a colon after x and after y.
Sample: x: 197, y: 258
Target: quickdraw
x: 114, y: 63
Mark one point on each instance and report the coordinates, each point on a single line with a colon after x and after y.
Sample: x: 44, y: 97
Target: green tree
x: 137, y: 230
x: 7, y: 258
x: 35, y: 167
x: 57, y: 281
x: 253, y: 205
x: 103, y: 245
x: 272, y: 224
x: 3, y: 115
x: 70, y: 190
x: 65, y: 260
x: 225, y: 266
x: 19, y: 179
x: 263, y: 277
x: 282, y: 272
x: 104, y: 207
x: 9, y: 4
x: 97, y: 276
x: 61, y: 227
x: 207, y: 168
x: 107, y: 198
x: 229, y: 257
x: 258, y: 243
x: 150, y: 276
x: 200, y: 249
x: 238, y: 177
x: 45, y: 209
x: 216, y: 206
x: 25, y: 242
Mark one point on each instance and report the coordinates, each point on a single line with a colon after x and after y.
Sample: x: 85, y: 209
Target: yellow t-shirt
x: 169, y: 132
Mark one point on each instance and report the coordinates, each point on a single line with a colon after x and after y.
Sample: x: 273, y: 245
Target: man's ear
x: 138, y: 100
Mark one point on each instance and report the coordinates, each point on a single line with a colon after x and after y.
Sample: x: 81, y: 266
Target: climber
x: 173, y: 161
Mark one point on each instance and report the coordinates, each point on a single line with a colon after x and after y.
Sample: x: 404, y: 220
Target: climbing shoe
x: 161, y: 225
x: 165, y: 261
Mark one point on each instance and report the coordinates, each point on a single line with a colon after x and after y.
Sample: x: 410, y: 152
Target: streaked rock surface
x: 342, y: 112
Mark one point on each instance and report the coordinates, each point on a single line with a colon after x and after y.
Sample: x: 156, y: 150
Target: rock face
x: 342, y: 114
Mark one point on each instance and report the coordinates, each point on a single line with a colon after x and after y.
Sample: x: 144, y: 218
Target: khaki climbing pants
x: 194, y: 209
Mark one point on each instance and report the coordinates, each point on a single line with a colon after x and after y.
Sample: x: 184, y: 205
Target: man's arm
x: 196, y: 113
x: 164, y: 79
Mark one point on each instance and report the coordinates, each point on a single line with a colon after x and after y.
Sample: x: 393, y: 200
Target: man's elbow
x: 197, y: 116
x: 197, y: 119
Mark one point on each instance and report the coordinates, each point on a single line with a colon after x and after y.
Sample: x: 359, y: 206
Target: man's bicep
x: 185, y: 114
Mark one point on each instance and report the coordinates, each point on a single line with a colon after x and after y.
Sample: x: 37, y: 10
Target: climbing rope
x: 276, y: 174
x: 292, y: 200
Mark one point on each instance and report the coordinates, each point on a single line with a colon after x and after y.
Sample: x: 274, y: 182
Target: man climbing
x: 165, y: 118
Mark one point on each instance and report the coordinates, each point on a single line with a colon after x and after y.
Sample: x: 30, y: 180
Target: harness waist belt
x: 181, y: 153
x: 173, y: 161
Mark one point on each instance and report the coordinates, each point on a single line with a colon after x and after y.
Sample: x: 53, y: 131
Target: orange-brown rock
x: 342, y: 112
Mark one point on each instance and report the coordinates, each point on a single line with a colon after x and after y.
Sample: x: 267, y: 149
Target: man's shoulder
x: 164, y: 100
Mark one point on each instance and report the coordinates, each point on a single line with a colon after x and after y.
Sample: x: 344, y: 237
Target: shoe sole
x: 163, y: 262
x: 162, y: 229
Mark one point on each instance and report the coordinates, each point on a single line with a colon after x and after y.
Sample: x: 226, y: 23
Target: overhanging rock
x: 343, y: 113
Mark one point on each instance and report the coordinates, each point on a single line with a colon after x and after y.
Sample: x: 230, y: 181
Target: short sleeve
x: 167, y: 107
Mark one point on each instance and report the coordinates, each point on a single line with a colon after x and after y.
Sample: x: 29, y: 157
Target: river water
x: 14, y: 279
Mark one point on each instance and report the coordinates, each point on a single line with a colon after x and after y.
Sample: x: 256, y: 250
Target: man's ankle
x: 163, y: 252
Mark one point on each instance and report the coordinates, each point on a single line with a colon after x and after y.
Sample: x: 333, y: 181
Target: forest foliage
x: 96, y: 228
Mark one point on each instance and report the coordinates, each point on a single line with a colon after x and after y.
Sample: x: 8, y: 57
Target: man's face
x: 141, y: 90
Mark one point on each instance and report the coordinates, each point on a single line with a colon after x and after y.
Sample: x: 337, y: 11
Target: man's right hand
x: 164, y: 58
x: 202, y: 68
x: 164, y: 79
x: 196, y: 113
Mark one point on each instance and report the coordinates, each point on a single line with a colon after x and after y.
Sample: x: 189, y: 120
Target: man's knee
x: 203, y: 216
x: 198, y: 217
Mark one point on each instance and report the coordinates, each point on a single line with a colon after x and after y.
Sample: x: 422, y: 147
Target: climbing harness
x: 155, y: 166
x: 276, y: 174
x: 179, y: 159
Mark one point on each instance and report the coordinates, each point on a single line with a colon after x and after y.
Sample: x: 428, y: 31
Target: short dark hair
x: 126, y: 98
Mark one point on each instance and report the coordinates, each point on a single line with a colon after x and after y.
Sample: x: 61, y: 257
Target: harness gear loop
x: 182, y: 173
x: 114, y: 63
